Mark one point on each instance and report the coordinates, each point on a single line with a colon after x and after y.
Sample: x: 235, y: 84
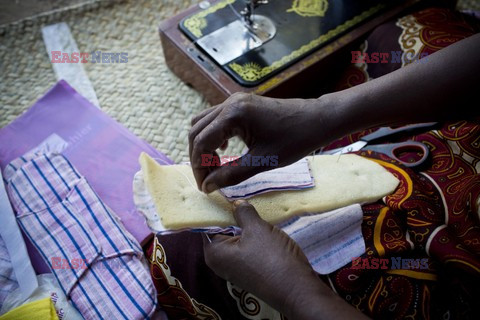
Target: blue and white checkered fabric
x: 97, y: 262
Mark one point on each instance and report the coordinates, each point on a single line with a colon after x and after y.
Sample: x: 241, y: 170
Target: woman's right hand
x: 286, y: 129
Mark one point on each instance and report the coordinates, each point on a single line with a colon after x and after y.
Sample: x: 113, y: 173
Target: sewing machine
x: 280, y: 48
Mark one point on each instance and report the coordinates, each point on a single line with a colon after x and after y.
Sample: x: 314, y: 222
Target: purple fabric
x: 102, y: 150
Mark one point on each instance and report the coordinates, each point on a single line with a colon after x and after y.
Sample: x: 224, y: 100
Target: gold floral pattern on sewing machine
x: 309, y: 8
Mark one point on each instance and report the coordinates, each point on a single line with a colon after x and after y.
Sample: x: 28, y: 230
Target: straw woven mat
x: 142, y: 94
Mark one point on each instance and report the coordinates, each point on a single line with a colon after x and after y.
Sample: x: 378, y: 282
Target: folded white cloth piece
x: 329, y: 240
x: 15, y: 266
x: 8, y: 280
x: 293, y: 177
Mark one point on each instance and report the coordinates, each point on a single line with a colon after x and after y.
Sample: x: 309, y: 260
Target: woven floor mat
x: 468, y: 5
x: 143, y: 94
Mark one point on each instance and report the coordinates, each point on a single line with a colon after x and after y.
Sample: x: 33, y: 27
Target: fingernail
x: 210, y: 187
x: 237, y: 203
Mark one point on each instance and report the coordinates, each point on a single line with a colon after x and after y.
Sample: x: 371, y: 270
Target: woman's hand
x: 266, y: 262
x: 292, y: 128
x: 287, y: 129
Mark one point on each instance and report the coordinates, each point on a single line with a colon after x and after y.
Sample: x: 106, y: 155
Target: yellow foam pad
x: 339, y: 181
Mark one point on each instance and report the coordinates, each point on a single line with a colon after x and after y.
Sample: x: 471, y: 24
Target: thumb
x: 218, y: 251
x: 246, y: 215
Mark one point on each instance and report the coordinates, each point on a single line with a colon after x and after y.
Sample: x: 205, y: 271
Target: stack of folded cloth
x: 97, y: 262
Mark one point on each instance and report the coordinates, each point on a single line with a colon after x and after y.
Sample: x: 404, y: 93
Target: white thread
x: 183, y: 174
x: 208, y: 238
x: 235, y: 12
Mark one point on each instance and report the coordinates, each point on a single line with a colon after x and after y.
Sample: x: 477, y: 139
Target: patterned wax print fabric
x: 422, y: 257
x: 433, y: 217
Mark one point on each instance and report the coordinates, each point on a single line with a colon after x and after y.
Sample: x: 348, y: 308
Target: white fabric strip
x: 12, y: 237
x: 57, y: 37
x: 329, y: 240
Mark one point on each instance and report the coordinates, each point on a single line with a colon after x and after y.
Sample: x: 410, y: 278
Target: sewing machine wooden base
x: 308, y: 77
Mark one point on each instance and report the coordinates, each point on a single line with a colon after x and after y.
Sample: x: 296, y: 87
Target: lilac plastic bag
x: 104, y: 151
